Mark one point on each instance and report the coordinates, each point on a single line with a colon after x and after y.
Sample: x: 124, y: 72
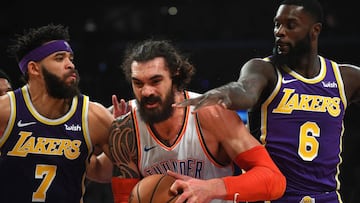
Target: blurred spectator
x: 5, y: 83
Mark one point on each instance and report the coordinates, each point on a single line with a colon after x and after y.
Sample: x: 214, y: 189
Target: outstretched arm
x: 256, y: 76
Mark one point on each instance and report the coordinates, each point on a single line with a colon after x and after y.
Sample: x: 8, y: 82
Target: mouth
x: 151, y: 105
x: 282, y: 48
x: 72, y: 77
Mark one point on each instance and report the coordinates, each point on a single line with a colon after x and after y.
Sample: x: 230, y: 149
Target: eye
x: 59, y: 58
x: 156, y: 81
x: 291, y: 25
x: 276, y: 25
x: 137, y: 83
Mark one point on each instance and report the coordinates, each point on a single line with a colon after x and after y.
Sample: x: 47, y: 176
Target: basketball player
x: 49, y: 127
x: 155, y: 138
x: 297, y: 100
x: 5, y: 84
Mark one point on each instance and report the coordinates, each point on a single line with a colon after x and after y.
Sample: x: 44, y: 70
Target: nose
x: 69, y: 63
x: 147, y: 90
x: 279, y: 31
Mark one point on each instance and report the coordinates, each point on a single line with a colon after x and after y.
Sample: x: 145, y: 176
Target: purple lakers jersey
x: 44, y: 160
x: 302, y: 128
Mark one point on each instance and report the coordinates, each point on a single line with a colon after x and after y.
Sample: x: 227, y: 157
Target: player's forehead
x: 290, y: 12
x: 156, y: 66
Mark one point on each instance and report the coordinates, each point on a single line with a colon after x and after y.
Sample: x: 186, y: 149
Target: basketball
x: 153, y: 189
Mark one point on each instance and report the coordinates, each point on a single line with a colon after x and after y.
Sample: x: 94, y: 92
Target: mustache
x: 71, y: 72
x: 150, y: 99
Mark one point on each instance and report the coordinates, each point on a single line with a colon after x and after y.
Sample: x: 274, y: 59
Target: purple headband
x: 43, y: 51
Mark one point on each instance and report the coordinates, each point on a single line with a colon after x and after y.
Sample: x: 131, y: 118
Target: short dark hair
x: 313, y: 7
x: 180, y: 68
x: 5, y: 76
x: 35, y: 37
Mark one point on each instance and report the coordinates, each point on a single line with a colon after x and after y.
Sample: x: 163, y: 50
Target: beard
x: 161, y: 113
x: 296, y: 51
x: 57, y: 88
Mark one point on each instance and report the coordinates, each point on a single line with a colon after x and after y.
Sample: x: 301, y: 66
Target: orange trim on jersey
x: 203, y: 145
x: 136, y: 125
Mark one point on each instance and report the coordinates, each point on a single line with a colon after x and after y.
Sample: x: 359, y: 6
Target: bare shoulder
x: 122, y: 129
x: 259, y: 63
x: 350, y: 75
x: 99, y: 111
x: 99, y: 122
x: 219, y: 120
x: 225, y: 128
x: 99, y: 116
x: 349, y: 68
x: 124, y: 121
x: 123, y: 145
x: 259, y: 68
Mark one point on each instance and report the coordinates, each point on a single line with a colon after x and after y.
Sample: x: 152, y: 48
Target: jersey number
x: 308, y: 145
x: 47, y: 173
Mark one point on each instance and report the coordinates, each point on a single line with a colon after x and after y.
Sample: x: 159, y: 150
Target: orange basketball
x: 153, y: 189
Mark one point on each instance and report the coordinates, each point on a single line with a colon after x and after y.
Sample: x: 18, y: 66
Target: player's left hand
x: 193, y: 190
x: 119, y: 107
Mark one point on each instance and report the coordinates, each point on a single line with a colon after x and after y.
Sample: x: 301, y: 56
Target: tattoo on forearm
x: 123, y: 147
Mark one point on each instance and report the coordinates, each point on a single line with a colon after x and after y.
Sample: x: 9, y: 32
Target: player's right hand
x: 211, y: 97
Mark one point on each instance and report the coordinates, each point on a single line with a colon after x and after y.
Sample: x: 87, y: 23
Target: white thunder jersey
x: 188, y: 155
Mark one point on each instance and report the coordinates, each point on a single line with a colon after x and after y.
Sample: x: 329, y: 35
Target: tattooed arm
x: 123, y: 146
x: 124, y: 153
x: 123, y: 149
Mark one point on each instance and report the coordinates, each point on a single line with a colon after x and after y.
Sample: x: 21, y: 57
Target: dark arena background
x: 218, y: 38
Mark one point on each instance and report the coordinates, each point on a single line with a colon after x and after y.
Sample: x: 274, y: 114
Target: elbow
x: 277, y: 186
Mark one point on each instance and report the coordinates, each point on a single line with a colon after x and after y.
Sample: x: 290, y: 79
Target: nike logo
x: 146, y: 148
x: 20, y: 124
x: 288, y: 81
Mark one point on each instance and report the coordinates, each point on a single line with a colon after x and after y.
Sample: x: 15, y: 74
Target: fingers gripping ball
x: 153, y: 189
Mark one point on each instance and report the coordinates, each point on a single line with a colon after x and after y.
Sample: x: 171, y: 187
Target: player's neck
x: 47, y: 105
x: 308, y: 67
x: 168, y: 130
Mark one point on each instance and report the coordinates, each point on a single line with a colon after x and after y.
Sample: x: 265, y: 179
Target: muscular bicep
x: 238, y: 138
x: 225, y: 127
x: 123, y: 146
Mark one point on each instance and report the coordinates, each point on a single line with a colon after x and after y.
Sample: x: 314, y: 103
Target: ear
x: 316, y: 30
x: 33, y: 68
